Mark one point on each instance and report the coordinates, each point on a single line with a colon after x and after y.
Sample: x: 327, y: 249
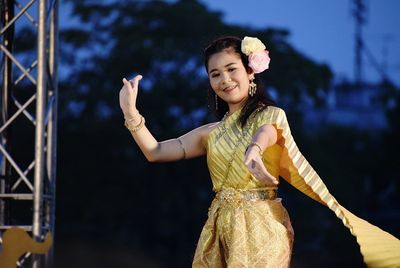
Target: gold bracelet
x: 132, y: 117
x: 257, y: 145
x: 137, y: 127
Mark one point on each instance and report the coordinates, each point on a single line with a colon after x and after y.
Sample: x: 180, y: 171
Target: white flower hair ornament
x: 257, y: 54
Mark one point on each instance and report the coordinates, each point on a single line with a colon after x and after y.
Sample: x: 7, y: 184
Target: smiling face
x: 229, y: 79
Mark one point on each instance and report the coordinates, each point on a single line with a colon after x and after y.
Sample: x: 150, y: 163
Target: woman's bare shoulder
x: 206, y: 129
x: 210, y: 127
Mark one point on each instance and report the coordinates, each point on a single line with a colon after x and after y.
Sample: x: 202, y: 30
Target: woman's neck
x: 233, y: 107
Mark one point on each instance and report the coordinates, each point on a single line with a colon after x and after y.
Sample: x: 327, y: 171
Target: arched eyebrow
x: 226, y: 66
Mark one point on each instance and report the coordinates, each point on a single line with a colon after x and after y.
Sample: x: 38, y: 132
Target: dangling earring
x: 216, y: 102
x: 252, y: 87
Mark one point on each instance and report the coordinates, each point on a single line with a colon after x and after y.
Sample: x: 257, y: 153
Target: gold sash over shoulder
x: 379, y: 248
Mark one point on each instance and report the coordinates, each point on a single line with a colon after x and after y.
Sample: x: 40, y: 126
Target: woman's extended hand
x: 128, y: 95
x: 254, y: 163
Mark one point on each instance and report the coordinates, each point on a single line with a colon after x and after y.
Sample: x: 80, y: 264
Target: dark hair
x: 257, y: 101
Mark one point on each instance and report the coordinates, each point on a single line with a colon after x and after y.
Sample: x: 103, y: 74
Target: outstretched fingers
x: 257, y: 168
x: 127, y: 83
x: 133, y: 83
x: 128, y: 95
x: 135, y: 80
x: 266, y: 175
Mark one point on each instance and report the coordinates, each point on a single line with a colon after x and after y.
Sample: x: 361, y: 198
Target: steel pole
x: 7, y: 14
x: 52, y: 128
x: 37, y: 223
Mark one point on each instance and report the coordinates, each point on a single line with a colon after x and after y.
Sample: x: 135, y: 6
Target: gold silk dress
x: 247, y: 225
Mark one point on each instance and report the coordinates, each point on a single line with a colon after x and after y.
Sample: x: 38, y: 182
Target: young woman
x: 247, y: 151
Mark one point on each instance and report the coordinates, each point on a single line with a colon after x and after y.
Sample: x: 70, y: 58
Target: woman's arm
x: 265, y: 137
x: 187, y: 146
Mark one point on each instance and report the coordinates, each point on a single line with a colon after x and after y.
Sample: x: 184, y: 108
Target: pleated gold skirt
x: 245, y: 233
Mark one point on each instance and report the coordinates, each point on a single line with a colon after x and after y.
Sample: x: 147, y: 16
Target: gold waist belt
x: 236, y: 196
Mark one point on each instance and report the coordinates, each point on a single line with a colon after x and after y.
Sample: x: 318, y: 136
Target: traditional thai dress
x: 247, y: 225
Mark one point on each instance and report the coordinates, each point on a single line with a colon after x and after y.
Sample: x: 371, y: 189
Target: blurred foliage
x: 108, y: 193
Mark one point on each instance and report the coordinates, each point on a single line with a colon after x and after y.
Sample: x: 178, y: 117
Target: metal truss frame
x: 34, y: 182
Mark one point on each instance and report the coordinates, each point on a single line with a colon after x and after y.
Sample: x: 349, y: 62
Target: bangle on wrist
x: 257, y: 145
x: 132, y: 117
x: 134, y: 129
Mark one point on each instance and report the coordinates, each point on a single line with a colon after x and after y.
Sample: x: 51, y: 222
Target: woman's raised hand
x: 128, y: 96
x: 254, y: 163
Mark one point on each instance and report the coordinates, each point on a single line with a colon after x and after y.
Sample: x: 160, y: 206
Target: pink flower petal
x: 259, y: 61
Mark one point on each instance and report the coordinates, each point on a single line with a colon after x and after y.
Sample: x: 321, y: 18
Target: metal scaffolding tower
x: 28, y: 122
x: 360, y: 18
x: 359, y: 12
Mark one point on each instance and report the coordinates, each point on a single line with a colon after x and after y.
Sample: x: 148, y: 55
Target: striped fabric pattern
x: 379, y: 248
